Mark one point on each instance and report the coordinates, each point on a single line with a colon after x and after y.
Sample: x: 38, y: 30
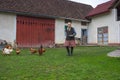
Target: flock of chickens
x: 7, y: 50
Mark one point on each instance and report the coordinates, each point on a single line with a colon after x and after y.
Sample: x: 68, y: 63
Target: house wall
x: 106, y: 19
x: 59, y: 30
x: 8, y: 27
x: 116, y: 30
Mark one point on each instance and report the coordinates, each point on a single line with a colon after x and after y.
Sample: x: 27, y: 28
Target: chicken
x: 41, y: 50
x: 33, y: 51
x: 18, y: 51
x: 7, y: 50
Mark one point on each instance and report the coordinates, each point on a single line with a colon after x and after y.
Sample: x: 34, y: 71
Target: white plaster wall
x: 116, y: 31
x: 8, y: 27
x: 107, y: 19
x: 77, y: 25
x: 59, y: 30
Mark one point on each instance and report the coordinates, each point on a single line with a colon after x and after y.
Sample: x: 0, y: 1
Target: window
x: 118, y: 13
x: 68, y: 20
x: 83, y: 23
x: 102, y: 36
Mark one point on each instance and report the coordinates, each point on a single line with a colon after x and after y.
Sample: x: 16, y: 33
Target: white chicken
x: 7, y: 50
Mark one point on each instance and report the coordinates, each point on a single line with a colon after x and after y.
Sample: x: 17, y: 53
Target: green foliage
x: 87, y: 63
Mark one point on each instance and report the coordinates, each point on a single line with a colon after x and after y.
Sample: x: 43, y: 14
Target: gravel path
x: 115, y: 53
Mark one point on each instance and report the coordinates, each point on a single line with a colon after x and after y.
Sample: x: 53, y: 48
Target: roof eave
x: 97, y: 13
x: 41, y: 15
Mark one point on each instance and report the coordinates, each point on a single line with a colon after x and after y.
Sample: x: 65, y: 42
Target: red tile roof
x: 102, y: 8
x: 49, y: 8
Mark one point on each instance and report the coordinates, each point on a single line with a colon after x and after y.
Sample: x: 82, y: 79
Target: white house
x: 104, y: 28
x: 31, y: 23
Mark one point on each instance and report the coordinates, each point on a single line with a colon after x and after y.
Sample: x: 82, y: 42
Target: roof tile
x: 101, y: 8
x: 57, y: 8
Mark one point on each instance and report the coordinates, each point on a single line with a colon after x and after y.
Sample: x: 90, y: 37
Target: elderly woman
x: 70, y: 39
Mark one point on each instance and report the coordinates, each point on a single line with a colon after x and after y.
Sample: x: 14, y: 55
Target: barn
x: 30, y: 23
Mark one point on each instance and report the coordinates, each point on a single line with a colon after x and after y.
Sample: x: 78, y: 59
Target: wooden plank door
x: 32, y: 32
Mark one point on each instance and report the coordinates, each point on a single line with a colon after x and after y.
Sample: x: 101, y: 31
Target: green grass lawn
x: 87, y: 63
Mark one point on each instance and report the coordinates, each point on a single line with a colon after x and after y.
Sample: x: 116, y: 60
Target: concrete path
x: 115, y: 53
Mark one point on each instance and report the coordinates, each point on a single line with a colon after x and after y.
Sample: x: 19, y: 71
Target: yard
x: 87, y: 63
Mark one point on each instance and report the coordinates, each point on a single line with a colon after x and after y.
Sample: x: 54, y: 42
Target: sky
x: 93, y: 3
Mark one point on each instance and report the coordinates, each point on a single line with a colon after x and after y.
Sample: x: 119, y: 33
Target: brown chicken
x: 41, y: 50
x: 33, y: 51
x: 18, y: 51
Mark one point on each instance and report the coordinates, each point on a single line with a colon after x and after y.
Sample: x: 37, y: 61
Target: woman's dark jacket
x: 70, y: 35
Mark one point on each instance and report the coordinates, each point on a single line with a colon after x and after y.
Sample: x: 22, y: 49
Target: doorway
x: 84, y: 36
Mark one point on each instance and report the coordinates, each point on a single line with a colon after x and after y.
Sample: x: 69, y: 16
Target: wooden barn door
x: 32, y: 32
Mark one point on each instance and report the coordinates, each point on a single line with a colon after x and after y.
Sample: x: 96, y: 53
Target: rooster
x: 41, y: 50
x: 7, y: 50
x: 33, y: 51
x: 18, y: 51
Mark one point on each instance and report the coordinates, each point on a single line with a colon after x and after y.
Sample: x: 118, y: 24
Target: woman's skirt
x: 70, y: 43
